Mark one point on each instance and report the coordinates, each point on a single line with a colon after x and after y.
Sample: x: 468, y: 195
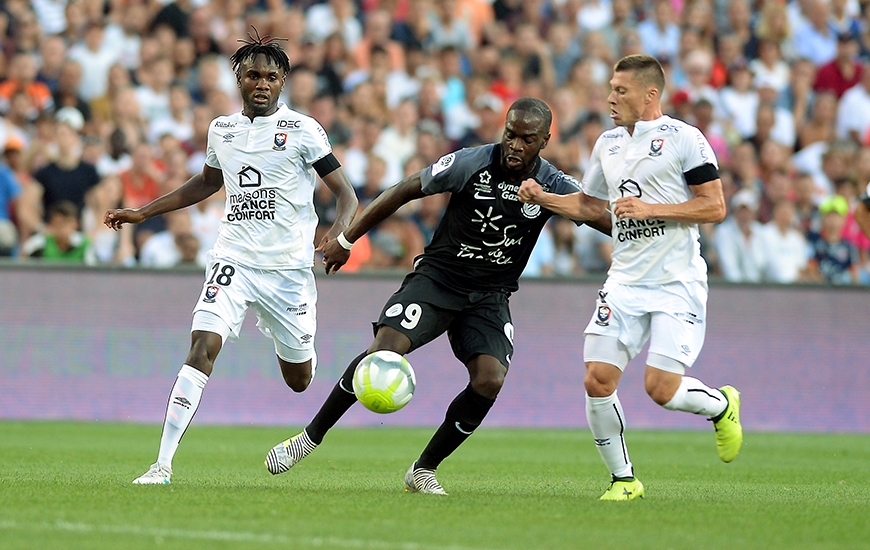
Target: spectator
x: 161, y: 248
x: 844, y: 71
x: 179, y: 120
x: 143, y: 179
x: 95, y: 58
x: 785, y: 248
x: 61, y: 239
x: 853, y: 112
x: 68, y: 177
x: 739, y: 243
x: 816, y: 39
x: 833, y: 259
x: 22, y: 76
x: 770, y: 67
x: 10, y: 191
x: 66, y: 93
x: 660, y: 34
x: 110, y: 247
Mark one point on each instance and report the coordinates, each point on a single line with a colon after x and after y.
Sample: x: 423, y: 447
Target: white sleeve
x: 594, y: 183
x: 210, y: 154
x: 697, y: 151
x: 315, y: 143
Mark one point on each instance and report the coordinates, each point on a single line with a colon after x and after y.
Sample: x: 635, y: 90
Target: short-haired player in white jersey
x: 268, y: 158
x: 659, y: 178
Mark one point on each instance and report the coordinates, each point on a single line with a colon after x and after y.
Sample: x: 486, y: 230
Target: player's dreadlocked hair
x: 266, y: 45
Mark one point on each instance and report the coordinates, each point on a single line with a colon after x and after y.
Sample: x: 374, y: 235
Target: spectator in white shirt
x: 785, y: 248
x: 738, y: 241
x: 853, y: 113
x: 95, y: 58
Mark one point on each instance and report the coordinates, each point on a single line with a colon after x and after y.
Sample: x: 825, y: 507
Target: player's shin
x: 607, y: 424
x: 695, y: 397
x: 340, y: 400
x: 463, y: 416
x: 183, y: 402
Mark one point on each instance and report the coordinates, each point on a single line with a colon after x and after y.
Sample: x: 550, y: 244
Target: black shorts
x: 477, y: 323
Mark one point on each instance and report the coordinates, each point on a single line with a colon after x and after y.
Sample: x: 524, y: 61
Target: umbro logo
x: 181, y: 401
x: 613, y: 150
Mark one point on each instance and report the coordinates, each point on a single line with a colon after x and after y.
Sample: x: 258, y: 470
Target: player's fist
x: 530, y: 191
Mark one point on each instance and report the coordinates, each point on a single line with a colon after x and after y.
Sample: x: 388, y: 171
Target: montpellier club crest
x: 280, y: 141
x: 655, y: 148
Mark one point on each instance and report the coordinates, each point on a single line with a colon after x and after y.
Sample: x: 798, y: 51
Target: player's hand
x: 114, y: 219
x: 631, y: 207
x: 334, y: 255
x: 530, y: 191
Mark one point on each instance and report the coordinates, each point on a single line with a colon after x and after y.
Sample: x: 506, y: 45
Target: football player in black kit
x: 460, y: 284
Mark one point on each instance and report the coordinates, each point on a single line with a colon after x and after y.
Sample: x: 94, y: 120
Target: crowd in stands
x: 107, y: 103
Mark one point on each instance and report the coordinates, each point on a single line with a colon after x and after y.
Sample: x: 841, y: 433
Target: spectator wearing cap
x: 853, y: 112
x: 489, y: 110
x: 738, y: 240
x: 834, y: 260
x: 842, y: 72
x: 21, y: 76
x: 67, y: 177
x: 816, y: 38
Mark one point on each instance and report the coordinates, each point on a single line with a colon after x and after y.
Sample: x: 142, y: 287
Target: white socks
x: 694, y: 397
x: 183, y: 402
x: 607, y: 423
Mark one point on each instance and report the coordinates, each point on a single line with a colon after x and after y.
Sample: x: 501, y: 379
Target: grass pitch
x: 67, y: 485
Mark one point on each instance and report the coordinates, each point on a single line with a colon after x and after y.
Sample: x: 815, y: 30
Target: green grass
x: 67, y: 485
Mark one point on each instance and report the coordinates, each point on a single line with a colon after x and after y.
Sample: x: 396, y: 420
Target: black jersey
x: 486, y: 234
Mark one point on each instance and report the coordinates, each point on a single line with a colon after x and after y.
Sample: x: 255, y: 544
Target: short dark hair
x: 266, y: 45
x: 646, y: 69
x: 64, y: 208
x: 536, y: 108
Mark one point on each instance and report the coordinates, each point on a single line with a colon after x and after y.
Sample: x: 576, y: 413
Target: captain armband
x: 702, y: 174
x: 326, y: 165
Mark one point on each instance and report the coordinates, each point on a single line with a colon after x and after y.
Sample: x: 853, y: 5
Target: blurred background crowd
x: 108, y: 102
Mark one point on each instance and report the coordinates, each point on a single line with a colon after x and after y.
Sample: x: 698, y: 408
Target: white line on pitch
x: 237, y: 536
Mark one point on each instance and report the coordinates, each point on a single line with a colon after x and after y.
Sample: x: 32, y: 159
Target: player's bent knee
x: 599, y: 382
x: 297, y: 376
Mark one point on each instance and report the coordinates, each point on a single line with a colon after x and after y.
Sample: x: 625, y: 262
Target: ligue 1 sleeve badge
x: 655, y: 148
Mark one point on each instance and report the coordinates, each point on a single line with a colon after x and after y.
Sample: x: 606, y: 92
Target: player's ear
x: 545, y: 141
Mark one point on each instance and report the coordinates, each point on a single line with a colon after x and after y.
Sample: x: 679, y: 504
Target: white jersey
x: 650, y: 165
x: 269, y: 218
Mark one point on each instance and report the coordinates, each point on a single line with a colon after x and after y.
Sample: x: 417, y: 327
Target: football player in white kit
x: 268, y: 157
x: 659, y: 178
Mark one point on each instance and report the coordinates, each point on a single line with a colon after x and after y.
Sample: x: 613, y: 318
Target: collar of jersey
x: 644, y: 126
x: 280, y: 111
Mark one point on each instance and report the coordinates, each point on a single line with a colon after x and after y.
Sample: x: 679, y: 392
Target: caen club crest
x: 655, y: 148
x: 280, y: 141
x: 211, y: 293
x: 603, y: 316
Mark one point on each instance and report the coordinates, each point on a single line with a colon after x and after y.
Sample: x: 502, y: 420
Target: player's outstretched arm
x: 197, y: 188
x: 345, y: 206
x: 336, y: 253
x: 576, y: 206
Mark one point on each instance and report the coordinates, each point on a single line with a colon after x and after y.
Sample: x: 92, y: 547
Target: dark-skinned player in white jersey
x: 460, y: 285
x: 268, y: 158
x: 659, y: 177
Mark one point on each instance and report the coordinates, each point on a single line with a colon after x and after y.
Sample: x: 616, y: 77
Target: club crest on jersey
x: 211, y: 293
x: 280, y: 141
x: 531, y: 210
x: 655, y: 148
x: 602, y: 318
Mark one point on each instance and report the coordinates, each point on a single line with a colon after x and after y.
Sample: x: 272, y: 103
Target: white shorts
x: 284, y: 301
x: 671, y: 316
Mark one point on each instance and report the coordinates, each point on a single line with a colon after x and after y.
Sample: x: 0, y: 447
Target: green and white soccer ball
x: 384, y: 382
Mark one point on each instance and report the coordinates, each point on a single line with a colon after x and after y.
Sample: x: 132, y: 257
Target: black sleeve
x: 326, y: 165
x: 701, y: 174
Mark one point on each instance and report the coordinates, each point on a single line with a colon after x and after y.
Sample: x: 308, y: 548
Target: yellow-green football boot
x: 729, y: 431
x: 623, y: 488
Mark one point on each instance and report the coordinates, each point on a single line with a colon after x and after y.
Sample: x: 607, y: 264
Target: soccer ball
x: 384, y: 382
